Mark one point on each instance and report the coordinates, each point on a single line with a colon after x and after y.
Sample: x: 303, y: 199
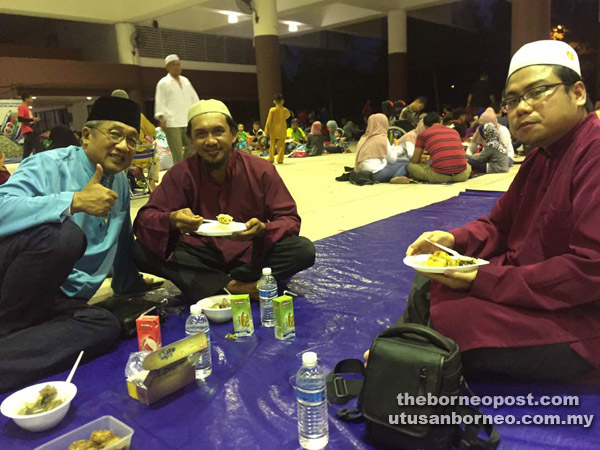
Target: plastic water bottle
x: 311, y: 390
x: 196, y: 323
x: 134, y: 364
x: 267, y: 291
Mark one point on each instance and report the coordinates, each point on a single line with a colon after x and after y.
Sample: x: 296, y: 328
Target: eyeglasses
x: 531, y: 96
x: 116, y: 137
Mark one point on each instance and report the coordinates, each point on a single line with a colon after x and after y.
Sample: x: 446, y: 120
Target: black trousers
x: 31, y: 143
x: 201, y: 272
x: 553, y: 362
x: 42, y: 330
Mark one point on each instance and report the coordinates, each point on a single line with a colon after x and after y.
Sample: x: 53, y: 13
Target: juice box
x: 283, y: 314
x: 243, y: 325
x: 148, y: 332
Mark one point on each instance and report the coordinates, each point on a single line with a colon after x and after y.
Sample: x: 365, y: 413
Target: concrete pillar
x: 266, y: 44
x: 125, y: 48
x: 530, y: 22
x: 397, y: 56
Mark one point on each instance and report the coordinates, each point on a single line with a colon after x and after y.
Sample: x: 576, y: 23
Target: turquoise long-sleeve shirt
x: 41, y: 191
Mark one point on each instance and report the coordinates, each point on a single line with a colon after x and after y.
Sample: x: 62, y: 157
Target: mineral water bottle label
x: 311, y: 396
x: 267, y: 293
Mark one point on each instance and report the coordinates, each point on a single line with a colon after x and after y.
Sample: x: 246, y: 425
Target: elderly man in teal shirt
x: 65, y: 223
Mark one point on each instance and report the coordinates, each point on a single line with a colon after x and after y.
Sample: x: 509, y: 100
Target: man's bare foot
x: 243, y: 287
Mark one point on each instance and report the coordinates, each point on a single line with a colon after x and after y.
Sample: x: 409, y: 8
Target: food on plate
x: 47, y: 399
x: 224, y: 303
x: 224, y: 219
x: 443, y: 259
x: 98, y: 439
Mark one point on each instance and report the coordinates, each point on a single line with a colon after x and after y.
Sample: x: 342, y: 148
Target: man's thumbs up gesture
x: 94, y: 198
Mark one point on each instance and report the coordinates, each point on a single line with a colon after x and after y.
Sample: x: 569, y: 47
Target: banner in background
x: 9, y: 125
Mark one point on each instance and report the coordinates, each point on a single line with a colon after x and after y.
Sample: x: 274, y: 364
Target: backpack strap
x: 467, y: 438
x: 341, y: 390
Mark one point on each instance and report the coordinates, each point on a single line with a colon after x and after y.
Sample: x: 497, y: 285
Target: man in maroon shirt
x: 218, y: 180
x: 31, y: 142
x: 443, y: 145
x: 534, y: 311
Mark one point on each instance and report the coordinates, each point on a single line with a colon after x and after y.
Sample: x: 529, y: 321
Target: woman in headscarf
x: 375, y: 154
x: 489, y: 116
x: 314, y: 140
x: 337, y: 141
x: 494, y: 157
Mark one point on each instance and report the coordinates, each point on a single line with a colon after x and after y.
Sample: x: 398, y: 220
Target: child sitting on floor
x: 338, y: 143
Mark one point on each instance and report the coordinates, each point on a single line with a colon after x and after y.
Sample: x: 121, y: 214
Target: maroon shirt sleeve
x: 557, y: 282
x: 283, y: 218
x: 487, y: 237
x: 152, y: 226
x: 4, y: 176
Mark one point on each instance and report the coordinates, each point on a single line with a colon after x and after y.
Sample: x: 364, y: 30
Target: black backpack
x: 408, y: 360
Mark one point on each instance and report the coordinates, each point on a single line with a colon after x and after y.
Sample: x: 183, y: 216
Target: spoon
x: 448, y: 250
x: 70, y: 377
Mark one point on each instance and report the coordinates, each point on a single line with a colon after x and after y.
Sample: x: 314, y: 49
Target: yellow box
x: 169, y: 369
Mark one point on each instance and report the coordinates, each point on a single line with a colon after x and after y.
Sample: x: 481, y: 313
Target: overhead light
x: 452, y: 86
x: 34, y: 97
x: 292, y: 27
x: 89, y: 98
x: 232, y: 18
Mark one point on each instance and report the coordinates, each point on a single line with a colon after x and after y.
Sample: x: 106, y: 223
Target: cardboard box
x: 169, y: 369
x: 241, y: 311
x: 283, y: 315
x: 148, y: 332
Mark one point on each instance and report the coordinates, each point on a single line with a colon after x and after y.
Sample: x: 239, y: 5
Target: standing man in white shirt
x: 174, y: 96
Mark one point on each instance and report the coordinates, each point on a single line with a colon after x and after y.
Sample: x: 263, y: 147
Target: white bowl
x: 213, y: 314
x: 43, y: 421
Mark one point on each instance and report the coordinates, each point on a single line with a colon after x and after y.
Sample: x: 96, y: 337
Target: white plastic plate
x: 417, y: 262
x: 214, y: 228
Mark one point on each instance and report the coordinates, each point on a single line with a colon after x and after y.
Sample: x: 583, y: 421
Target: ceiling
x: 211, y: 16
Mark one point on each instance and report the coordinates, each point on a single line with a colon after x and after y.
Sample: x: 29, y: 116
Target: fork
x: 448, y: 250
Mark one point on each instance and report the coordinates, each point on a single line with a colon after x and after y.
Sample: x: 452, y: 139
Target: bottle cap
x: 266, y: 271
x: 309, y: 359
x: 196, y: 309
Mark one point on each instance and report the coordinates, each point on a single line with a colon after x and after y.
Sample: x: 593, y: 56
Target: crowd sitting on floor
x: 66, y: 222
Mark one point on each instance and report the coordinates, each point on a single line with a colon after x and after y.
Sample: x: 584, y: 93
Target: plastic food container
x: 84, y: 431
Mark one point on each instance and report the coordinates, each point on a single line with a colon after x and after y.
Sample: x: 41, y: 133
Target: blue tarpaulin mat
x: 357, y: 288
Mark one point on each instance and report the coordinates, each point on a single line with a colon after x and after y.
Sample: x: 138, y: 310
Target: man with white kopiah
x: 534, y: 311
x: 174, y: 96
